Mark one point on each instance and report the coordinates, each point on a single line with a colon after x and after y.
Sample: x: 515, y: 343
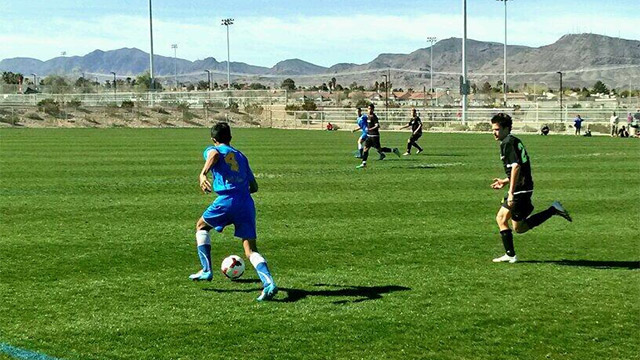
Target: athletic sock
x: 417, y: 146
x: 260, y: 264
x: 360, y: 151
x: 385, y: 150
x: 507, y: 241
x: 204, y: 249
x: 409, y: 148
x: 537, y: 219
x: 365, y: 156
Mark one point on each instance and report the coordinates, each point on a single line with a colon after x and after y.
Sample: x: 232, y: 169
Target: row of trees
x: 57, y: 83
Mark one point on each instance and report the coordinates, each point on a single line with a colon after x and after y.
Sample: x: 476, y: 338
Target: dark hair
x: 503, y: 120
x: 359, y: 109
x: 371, y: 106
x: 221, y: 132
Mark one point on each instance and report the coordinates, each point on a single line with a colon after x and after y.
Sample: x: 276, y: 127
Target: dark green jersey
x: 372, y: 121
x: 416, y: 124
x: 512, y: 152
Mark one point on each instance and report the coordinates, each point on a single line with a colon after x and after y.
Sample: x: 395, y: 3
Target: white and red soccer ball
x: 232, y: 267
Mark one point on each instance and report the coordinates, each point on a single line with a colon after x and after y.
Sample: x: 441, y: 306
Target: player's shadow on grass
x: 360, y: 293
x: 597, y: 264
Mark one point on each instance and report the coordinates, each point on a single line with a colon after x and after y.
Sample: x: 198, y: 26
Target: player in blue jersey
x: 362, y: 127
x: 234, y: 183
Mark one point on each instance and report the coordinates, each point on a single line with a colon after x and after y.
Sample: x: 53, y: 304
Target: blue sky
x: 322, y: 32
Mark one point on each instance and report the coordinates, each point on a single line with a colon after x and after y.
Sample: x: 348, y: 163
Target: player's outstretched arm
x: 499, y: 183
x: 212, y: 158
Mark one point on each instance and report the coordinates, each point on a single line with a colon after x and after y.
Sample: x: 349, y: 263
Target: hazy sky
x: 322, y: 32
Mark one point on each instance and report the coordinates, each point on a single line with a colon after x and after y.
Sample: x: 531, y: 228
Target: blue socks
x: 260, y: 264
x: 204, y: 253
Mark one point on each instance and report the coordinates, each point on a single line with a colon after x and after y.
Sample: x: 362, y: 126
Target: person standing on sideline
x: 416, y: 132
x: 577, y: 122
x: 613, y: 120
x: 233, y: 181
x: 517, y: 204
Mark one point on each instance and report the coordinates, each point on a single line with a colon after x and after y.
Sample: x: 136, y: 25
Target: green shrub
x: 127, y: 104
x: 34, y: 116
x: 482, y: 126
x: 183, y: 106
x: 160, y: 110
x: 233, y: 107
x: 460, y: 127
x: 49, y: 106
x: 291, y: 108
x: 254, y: 109
x: 528, y: 128
x: 557, y: 127
x: 74, y: 103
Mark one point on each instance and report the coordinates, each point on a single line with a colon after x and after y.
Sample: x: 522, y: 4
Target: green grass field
x: 97, y: 241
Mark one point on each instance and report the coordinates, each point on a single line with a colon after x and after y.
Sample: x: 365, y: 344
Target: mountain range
x: 583, y: 59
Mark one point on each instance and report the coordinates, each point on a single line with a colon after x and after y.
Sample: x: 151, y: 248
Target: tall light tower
x: 560, y: 72
x: 175, y: 62
x: 35, y: 83
x: 151, y: 85
x: 464, y: 61
x: 504, y: 82
x: 208, y: 79
x: 114, y: 85
x: 227, y: 22
x: 432, y: 40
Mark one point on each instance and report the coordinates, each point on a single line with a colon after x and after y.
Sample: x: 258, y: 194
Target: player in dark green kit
x: 373, y: 139
x: 517, y: 202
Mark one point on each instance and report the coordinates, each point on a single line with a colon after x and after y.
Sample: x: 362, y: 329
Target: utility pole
x: 114, y: 86
x: 464, y: 60
x: 151, y: 84
x: 175, y: 62
x: 432, y: 40
x: 227, y: 22
x: 208, y: 79
x: 386, y: 98
x: 504, y: 82
x: 560, y: 72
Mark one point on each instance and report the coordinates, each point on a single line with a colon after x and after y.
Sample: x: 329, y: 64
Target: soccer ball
x: 232, y: 267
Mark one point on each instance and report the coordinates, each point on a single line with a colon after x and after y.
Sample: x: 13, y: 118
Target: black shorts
x: 522, y: 206
x: 415, y: 138
x: 372, y: 142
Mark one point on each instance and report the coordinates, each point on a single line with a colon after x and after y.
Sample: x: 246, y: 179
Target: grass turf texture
x: 97, y: 241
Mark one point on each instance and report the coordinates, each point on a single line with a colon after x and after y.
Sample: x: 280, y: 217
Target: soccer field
x: 97, y: 242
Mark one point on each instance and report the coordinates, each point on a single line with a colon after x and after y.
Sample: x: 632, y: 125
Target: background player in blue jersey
x: 362, y: 127
x: 234, y: 182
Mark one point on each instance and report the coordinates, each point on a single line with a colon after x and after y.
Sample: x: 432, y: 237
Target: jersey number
x: 230, y: 159
x: 523, y: 153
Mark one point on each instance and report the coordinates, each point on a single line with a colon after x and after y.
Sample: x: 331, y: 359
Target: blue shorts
x: 233, y: 209
x: 363, y: 136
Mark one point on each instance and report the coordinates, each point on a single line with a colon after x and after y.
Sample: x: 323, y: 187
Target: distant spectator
x: 329, y: 127
x: 544, y: 130
x: 629, y: 119
x: 613, y: 120
x: 578, y: 124
x: 634, y: 127
x: 623, y: 132
x: 588, y: 132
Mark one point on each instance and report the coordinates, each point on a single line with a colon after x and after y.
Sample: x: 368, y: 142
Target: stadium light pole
x: 504, y: 82
x: 35, y: 84
x: 386, y: 98
x: 560, y: 72
x: 175, y: 62
x: 227, y: 22
x: 208, y: 79
x: 432, y: 40
x: 464, y: 60
x: 151, y: 82
x: 114, y: 85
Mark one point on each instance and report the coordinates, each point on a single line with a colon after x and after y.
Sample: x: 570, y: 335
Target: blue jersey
x: 362, y: 123
x: 231, y: 173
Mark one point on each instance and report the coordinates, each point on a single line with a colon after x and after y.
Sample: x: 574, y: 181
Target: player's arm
x: 212, y: 159
x: 418, y: 129
x: 515, y: 172
x: 377, y: 125
x: 499, y: 183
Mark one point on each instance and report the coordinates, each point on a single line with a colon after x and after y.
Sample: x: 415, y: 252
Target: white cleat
x: 561, y: 211
x: 506, y: 258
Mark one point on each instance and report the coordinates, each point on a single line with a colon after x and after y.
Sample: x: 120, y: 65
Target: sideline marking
x: 24, y: 354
